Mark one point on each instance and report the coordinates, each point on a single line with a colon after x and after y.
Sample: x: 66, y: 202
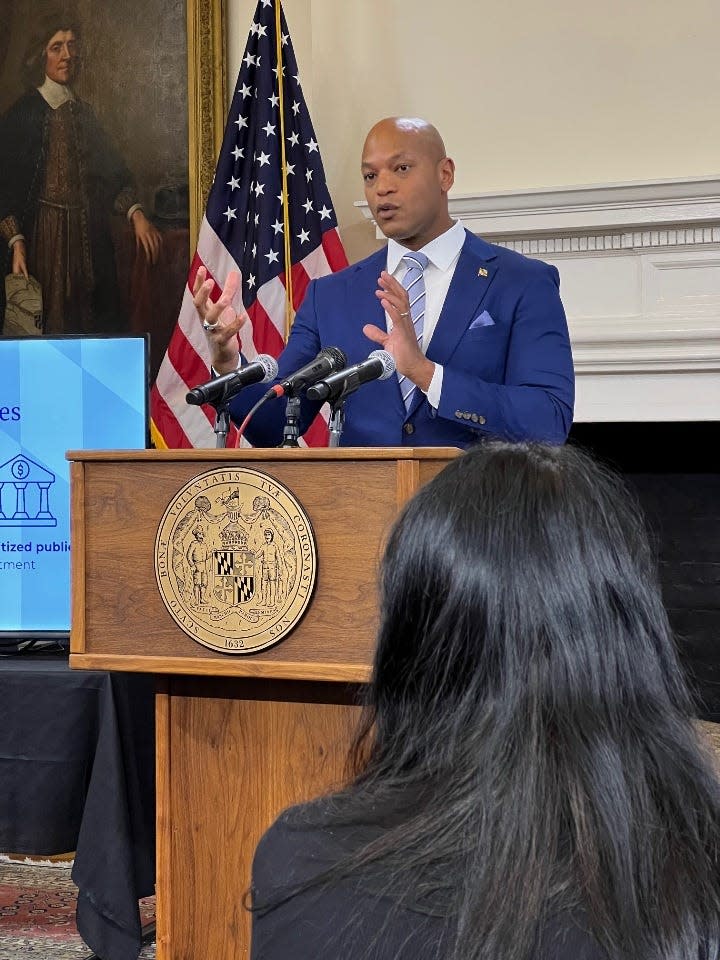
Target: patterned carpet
x: 37, y: 913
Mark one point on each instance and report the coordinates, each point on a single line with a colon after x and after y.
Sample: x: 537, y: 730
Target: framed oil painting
x: 111, y: 116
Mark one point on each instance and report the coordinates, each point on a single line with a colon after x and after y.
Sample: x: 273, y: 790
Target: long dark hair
x: 528, y: 736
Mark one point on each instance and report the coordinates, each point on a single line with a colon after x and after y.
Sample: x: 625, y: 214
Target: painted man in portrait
x: 61, y: 179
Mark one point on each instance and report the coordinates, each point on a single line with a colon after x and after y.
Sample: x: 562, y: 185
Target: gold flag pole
x: 289, y: 313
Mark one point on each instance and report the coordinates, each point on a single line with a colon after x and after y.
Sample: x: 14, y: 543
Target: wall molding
x: 599, y: 207
x: 608, y: 243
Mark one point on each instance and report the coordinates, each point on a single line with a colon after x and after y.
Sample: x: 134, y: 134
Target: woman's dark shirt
x: 355, y: 917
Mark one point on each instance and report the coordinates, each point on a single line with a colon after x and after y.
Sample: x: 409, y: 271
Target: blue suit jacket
x: 501, y: 337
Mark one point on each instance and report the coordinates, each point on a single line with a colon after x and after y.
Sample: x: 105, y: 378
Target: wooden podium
x: 239, y: 737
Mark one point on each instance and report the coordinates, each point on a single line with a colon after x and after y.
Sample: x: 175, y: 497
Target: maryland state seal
x: 235, y: 560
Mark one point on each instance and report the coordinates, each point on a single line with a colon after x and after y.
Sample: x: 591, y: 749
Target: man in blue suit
x: 493, y: 355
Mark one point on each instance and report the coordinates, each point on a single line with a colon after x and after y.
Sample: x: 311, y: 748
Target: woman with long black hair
x: 528, y: 781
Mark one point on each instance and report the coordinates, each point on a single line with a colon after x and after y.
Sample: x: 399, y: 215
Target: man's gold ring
x: 406, y: 314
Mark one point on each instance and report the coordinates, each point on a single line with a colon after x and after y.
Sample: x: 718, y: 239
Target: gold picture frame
x: 206, y: 102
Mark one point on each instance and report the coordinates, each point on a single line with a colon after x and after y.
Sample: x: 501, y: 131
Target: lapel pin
x: 482, y: 272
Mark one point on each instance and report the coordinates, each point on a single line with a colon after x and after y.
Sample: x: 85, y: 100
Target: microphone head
x: 336, y: 355
x: 269, y: 365
x: 387, y: 360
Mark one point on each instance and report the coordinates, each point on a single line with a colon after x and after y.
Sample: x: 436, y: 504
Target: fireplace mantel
x: 640, y: 278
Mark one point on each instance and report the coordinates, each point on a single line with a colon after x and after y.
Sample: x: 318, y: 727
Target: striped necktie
x: 414, y: 283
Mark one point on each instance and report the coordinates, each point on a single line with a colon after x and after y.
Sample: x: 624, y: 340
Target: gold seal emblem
x: 235, y: 560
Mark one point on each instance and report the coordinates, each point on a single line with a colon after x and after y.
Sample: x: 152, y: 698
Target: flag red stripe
x: 300, y: 281
x: 334, y: 250
x: 166, y: 422
x: 183, y: 356
x: 265, y: 335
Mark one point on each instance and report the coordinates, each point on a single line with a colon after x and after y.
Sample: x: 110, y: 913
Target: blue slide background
x: 79, y: 393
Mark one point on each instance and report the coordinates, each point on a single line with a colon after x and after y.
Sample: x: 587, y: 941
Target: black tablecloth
x: 77, y: 774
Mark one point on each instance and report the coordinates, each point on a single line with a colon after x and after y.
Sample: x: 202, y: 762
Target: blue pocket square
x: 483, y: 320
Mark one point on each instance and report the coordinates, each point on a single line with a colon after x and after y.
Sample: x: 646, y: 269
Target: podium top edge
x: 276, y: 454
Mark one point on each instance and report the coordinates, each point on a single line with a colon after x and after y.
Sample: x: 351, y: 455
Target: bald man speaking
x: 478, y: 333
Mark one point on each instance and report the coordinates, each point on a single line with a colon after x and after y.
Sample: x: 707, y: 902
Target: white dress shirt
x: 442, y: 254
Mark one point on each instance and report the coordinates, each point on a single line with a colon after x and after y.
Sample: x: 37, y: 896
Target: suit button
x: 458, y: 413
x: 474, y: 418
x: 408, y: 428
x: 466, y: 416
x: 481, y: 419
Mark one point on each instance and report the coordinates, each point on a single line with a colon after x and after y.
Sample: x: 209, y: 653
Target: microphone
x: 379, y: 366
x: 326, y: 362
x: 224, y: 388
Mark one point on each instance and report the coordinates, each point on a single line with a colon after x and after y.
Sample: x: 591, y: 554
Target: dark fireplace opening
x: 674, y: 469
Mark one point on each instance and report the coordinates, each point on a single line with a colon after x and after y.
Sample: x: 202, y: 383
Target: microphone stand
x: 291, y: 430
x: 337, y: 422
x: 337, y: 408
x: 222, y: 424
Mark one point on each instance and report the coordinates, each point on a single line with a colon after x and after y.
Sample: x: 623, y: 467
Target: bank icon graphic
x: 24, y: 494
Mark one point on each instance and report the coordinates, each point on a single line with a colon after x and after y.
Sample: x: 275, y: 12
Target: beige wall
x: 526, y: 94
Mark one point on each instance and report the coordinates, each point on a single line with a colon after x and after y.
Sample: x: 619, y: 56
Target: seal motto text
x: 235, y: 560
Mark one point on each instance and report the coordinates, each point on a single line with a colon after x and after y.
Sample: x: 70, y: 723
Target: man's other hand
x: 401, y: 342
x: 220, y: 321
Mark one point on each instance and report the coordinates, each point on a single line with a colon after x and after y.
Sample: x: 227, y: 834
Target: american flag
x: 247, y: 223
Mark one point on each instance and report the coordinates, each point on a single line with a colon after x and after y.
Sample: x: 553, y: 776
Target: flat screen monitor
x: 56, y: 394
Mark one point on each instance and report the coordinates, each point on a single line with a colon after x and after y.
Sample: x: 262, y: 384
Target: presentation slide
x: 56, y: 394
